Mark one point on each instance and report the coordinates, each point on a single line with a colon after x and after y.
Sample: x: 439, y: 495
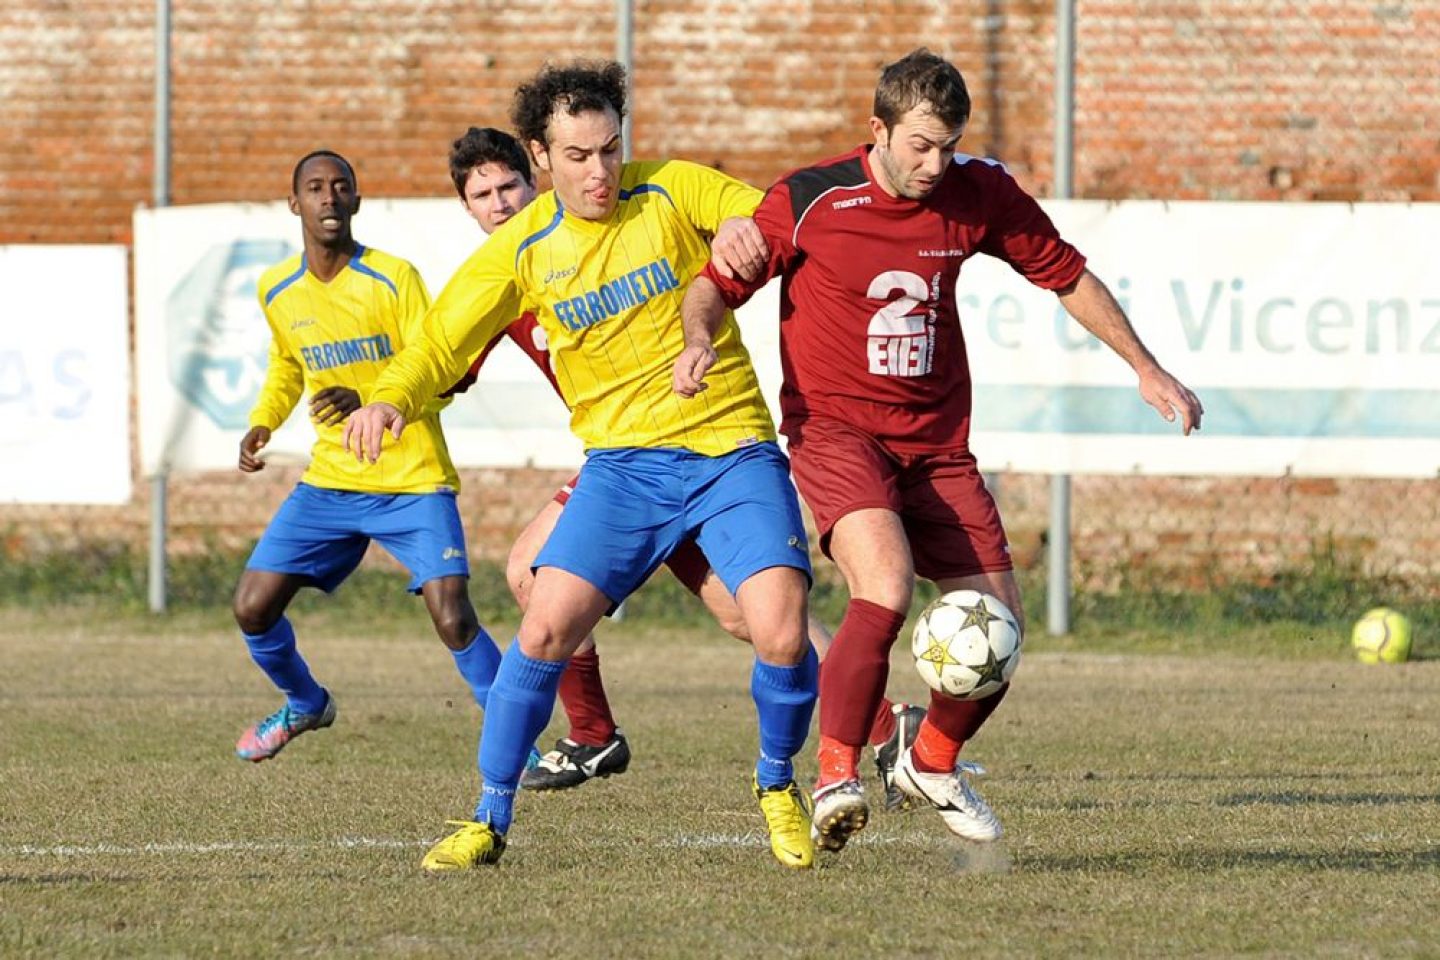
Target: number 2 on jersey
x: 899, y: 342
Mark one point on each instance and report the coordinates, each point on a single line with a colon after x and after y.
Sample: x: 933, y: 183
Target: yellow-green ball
x: 1382, y: 636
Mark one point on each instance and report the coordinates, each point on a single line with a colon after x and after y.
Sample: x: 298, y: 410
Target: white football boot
x: 840, y: 811
x: 964, y: 812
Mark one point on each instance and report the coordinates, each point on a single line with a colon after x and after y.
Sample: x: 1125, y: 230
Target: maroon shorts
x: 950, y: 518
x: 688, y: 562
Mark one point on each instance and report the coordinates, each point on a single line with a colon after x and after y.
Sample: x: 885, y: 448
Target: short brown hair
x: 482, y: 145
x: 922, y: 77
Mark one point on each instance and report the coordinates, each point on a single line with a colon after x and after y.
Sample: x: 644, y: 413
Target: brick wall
x: 1191, y: 99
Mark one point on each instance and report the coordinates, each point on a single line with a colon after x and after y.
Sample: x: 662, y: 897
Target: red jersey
x: 869, y: 331
x: 527, y: 335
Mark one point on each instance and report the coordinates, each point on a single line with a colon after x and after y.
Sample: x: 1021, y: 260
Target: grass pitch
x: 1156, y: 803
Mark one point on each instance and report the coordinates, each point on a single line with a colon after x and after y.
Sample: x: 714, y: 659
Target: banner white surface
x: 1311, y: 333
x: 64, y: 375
x: 201, y: 338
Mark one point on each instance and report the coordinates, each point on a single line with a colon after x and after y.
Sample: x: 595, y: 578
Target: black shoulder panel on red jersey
x: 806, y: 186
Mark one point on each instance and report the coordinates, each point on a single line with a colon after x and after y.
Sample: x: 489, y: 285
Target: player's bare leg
x: 594, y: 746
x: 261, y: 598
x: 871, y: 550
x: 931, y: 770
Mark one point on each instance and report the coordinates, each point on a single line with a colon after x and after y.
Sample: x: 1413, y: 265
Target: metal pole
x: 625, y: 55
x: 159, y: 482
x: 1058, y: 593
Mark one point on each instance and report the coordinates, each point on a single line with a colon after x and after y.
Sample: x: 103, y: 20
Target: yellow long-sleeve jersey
x: 607, y: 294
x: 345, y: 333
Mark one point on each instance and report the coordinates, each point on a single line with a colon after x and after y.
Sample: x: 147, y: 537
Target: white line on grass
x: 682, y: 841
x: 226, y: 846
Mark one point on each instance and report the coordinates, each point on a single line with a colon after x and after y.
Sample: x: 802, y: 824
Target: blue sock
x: 274, y: 651
x: 518, y: 708
x: 477, y: 663
x: 784, y: 701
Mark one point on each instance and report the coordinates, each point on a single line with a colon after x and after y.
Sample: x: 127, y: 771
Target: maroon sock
x: 882, y: 728
x: 582, y: 693
x: 962, y: 719
x: 852, y: 680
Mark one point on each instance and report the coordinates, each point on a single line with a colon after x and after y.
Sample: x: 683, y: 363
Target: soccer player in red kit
x: 876, y: 402
x: 493, y: 178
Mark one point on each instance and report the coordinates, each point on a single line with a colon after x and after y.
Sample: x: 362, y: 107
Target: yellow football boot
x: 473, y: 845
x: 787, y: 817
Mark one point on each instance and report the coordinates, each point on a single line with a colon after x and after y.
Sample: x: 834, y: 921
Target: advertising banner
x: 64, y: 375
x: 1310, y: 331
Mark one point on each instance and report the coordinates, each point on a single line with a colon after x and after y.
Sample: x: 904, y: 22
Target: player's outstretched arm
x: 701, y: 312
x: 1089, y: 301
x: 251, y: 444
x: 739, y: 249
x: 366, y: 428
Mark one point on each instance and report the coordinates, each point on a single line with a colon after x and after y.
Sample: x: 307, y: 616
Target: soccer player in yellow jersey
x: 338, y: 314
x: 602, y: 262
x: 493, y: 179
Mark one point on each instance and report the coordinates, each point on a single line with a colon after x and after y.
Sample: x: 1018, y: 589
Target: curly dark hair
x: 922, y: 77
x: 576, y: 88
x: 482, y: 145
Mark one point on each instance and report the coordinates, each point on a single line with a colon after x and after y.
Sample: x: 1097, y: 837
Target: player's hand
x: 333, y: 404
x: 690, y: 369
x: 739, y: 249
x: 366, y: 429
x: 1170, y: 396
x: 250, y: 446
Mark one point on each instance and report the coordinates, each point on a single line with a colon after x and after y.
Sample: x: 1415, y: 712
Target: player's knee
x: 783, y: 645
x: 456, y: 625
x: 894, y: 592
x: 254, y: 612
x: 886, y: 581
x: 542, y: 640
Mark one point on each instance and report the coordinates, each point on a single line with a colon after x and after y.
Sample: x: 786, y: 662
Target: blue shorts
x: 323, y: 534
x: 634, y: 506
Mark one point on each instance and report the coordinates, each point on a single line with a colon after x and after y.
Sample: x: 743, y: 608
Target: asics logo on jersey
x: 302, y: 324
x: 616, y: 296
x: 338, y: 353
x: 452, y: 553
x: 554, y: 275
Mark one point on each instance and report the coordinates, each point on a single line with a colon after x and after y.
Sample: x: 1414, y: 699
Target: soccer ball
x: 966, y: 644
x: 1381, y: 636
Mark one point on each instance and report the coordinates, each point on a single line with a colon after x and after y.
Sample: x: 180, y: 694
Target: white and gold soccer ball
x: 966, y: 644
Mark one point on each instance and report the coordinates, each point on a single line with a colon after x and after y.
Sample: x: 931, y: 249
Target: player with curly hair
x: 602, y: 262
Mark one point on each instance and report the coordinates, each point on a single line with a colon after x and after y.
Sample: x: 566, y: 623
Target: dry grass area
x: 1155, y: 805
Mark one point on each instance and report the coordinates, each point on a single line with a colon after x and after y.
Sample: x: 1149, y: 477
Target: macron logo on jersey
x: 615, y: 296
x: 852, y: 202
x: 326, y: 356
